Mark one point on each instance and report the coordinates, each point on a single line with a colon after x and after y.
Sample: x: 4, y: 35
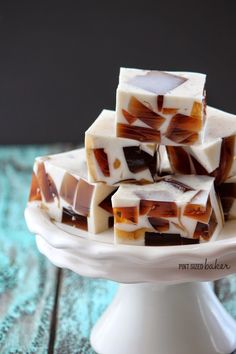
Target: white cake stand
x: 166, y: 305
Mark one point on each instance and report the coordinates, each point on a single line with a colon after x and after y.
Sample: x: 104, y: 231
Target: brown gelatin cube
x: 145, y: 207
x: 106, y: 203
x: 205, y: 231
x: 226, y: 159
x: 110, y: 221
x: 145, y: 114
x: 180, y: 136
x: 227, y: 190
x: 178, y: 185
x: 183, y: 129
x: 199, y: 169
x: 68, y: 188
x: 198, y: 212
x: 138, y: 133
x: 46, y: 184
x: 102, y: 161
x: 197, y: 110
x: 83, y: 197
x: 158, y: 239
x: 159, y: 224
x: 126, y: 215
x: 172, y: 111
x: 140, y: 182
x: 35, y: 193
x: 139, y: 160
x: 189, y: 241
x: 227, y: 193
x: 158, y: 209
x: 130, y: 119
x: 179, y: 159
x: 165, y: 239
x: 160, y: 101
x: 69, y: 217
x: 183, y: 122
x: 191, y: 139
x: 227, y: 204
x: 130, y: 235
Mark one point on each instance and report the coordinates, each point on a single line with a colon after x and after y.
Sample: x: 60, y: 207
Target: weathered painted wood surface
x: 43, y: 310
x: 27, y: 280
x: 81, y: 301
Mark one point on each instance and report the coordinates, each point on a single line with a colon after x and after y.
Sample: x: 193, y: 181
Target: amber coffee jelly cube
x: 160, y: 106
x: 216, y: 156
x: 227, y: 193
x: 114, y: 160
x: 60, y: 184
x: 177, y: 210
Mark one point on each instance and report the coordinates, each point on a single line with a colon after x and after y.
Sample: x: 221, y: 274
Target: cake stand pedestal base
x: 165, y: 319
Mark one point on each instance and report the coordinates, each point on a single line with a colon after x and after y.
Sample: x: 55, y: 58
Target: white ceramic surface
x: 165, y: 319
x: 156, y: 314
x: 97, y: 256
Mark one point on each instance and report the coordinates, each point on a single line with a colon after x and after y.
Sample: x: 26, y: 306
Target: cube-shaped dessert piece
x: 227, y: 193
x: 160, y: 106
x: 216, y: 156
x: 177, y: 210
x: 115, y: 160
x: 60, y: 185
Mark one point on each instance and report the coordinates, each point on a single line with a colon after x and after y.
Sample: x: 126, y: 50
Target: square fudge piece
x: 216, y: 156
x: 60, y: 185
x: 115, y: 160
x: 177, y: 210
x: 161, y: 106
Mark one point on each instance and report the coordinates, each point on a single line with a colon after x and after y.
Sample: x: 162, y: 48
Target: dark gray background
x: 59, y: 62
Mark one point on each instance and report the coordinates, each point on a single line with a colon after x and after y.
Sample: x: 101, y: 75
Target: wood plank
x: 81, y: 302
x: 27, y: 279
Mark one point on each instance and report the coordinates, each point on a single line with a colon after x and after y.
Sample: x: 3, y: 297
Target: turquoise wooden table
x: 44, y: 309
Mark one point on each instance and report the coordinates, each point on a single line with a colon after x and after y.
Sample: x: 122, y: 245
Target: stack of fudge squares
x: 160, y: 170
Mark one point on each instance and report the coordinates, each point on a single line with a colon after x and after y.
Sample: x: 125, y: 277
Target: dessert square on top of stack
x: 159, y: 106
